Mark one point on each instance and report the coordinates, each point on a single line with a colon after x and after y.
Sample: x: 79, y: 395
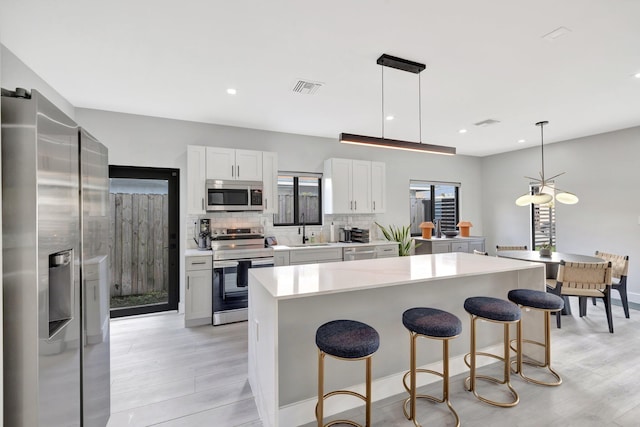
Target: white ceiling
x: 485, y: 60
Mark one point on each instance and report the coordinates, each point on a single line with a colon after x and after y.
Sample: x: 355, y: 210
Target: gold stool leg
x: 547, y: 355
x: 368, y: 392
x: 410, y: 402
x: 320, y: 405
x: 470, y: 381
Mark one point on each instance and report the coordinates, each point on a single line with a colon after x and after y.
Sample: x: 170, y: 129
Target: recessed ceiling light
x: 637, y: 75
x: 231, y: 91
x: 390, y: 117
x: 520, y: 141
x: 462, y: 131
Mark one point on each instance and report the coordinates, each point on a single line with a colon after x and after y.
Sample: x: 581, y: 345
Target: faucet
x: 304, y: 235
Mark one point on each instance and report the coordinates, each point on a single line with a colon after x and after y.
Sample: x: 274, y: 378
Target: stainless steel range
x: 235, y: 251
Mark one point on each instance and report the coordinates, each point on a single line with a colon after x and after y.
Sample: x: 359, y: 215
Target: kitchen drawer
x: 440, y: 247
x: 387, y: 251
x: 313, y: 255
x: 459, y: 247
x: 198, y: 263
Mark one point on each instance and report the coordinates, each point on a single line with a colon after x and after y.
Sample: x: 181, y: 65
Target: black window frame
x: 432, y: 189
x: 296, y: 207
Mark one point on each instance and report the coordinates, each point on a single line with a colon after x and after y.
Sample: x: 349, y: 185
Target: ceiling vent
x: 306, y: 87
x: 486, y: 123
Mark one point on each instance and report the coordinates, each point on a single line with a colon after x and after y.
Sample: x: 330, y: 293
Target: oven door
x: 231, y: 288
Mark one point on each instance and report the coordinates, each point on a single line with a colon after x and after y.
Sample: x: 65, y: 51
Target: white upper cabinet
x: 361, y: 186
x: 270, y: 182
x: 348, y: 186
x: 196, y: 176
x: 378, y: 187
x: 227, y: 163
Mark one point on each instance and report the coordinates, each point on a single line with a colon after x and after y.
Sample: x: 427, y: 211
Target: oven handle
x: 224, y: 264
x: 265, y: 261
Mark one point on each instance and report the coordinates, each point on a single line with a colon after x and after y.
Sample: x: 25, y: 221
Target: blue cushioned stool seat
x: 431, y: 322
x: 536, y: 299
x: 492, y: 309
x: 347, y: 338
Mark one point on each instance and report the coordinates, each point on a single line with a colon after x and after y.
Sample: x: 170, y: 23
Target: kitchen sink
x: 307, y: 245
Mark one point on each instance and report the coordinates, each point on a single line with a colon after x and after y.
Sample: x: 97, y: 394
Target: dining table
x: 551, y: 263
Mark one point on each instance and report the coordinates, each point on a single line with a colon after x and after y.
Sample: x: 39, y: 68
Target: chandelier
x: 542, y: 192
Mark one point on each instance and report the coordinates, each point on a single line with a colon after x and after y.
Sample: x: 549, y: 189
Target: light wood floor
x: 167, y: 375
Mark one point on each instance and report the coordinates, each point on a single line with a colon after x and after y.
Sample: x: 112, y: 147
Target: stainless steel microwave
x: 225, y: 195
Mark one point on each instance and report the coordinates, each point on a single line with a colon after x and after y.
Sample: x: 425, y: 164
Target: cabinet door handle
x: 202, y: 203
x: 238, y: 174
x: 374, y: 205
x: 187, y: 283
x: 232, y: 171
x: 351, y: 205
x: 355, y: 204
x: 199, y: 262
x: 266, y: 204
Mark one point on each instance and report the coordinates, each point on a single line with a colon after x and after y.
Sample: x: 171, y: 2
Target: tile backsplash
x: 285, y: 235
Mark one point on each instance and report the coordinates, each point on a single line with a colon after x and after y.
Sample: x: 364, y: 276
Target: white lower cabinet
x: 197, y: 294
x: 280, y: 258
x: 315, y: 255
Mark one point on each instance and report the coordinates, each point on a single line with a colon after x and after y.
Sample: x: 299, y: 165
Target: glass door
x: 143, y: 240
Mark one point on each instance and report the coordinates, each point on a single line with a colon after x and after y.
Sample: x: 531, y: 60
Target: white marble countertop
x: 437, y: 239
x: 331, y: 245
x: 315, y: 279
x: 197, y: 252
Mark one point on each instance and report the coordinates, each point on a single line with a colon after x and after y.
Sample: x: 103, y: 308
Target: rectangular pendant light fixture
x: 349, y: 138
x: 371, y: 141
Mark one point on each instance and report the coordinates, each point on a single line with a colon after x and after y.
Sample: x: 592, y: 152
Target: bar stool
x: 435, y: 324
x: 345, y: 340
x: 547, y: 303
x: 498, y: 311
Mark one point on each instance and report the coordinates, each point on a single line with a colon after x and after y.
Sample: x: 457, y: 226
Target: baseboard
x: 303, y: 412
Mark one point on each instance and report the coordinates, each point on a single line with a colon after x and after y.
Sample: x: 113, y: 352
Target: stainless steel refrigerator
x: 55, y: 259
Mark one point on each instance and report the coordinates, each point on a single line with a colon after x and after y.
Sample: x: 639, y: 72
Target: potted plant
x: 545, y: 250
x: 402, y: 235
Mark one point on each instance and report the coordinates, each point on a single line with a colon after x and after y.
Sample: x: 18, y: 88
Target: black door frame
x: 173, y: 178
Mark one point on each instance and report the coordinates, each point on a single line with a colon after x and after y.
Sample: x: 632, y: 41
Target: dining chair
x: 619, y: 271
x: 510, y: 248
x: 584, y: 280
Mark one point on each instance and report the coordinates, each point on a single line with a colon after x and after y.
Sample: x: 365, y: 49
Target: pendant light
x: 543, y: 193
x: 372, y: 141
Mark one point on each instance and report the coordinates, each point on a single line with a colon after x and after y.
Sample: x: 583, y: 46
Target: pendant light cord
x: 382, y: 68
x: 419, y: 109
x: 542, y: 149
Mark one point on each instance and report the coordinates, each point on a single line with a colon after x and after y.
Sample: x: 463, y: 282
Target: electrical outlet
x: 257, y: 330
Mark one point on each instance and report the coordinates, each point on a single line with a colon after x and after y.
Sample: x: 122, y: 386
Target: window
x: 543, y: 222
x: 433, y: 201
x: 299, y: 199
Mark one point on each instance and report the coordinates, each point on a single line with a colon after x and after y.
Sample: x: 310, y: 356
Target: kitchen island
x: 289, y: 303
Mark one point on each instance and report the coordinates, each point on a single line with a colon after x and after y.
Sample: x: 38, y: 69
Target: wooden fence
x: 308, y: 205
x: 138, y: 243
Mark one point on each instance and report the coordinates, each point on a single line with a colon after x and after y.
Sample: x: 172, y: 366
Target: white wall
x: 16, y: 73
x: 601, y: 169
x: 148, y: 141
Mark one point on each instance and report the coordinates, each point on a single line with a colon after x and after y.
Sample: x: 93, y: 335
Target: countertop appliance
x: 202, y: 234
x: 227, y: 195
x: 55, y: 234
x: 235, y: 251
x: 360, y: 235
x: 345, y: 234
